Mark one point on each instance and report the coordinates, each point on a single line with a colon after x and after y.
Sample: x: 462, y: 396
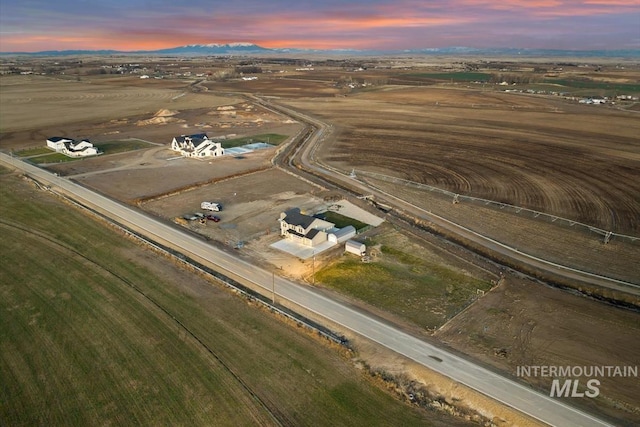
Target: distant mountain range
x: 247, y: 49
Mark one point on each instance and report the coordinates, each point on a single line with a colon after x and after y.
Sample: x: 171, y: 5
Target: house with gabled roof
x: 197, y: 145
x: 304, y: 229
x: 72, y: 147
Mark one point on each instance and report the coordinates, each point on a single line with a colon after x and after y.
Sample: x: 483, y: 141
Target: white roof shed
x: 342, y: 234
x: 354, y: 247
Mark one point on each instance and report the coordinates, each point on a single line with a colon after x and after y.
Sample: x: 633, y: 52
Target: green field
x: 53, y: 158
x: 32, y: 152
x: 608, y: 87
x: 342, y: 221
x: 95, y: 330
x: 424, y: 293
x: 120, y: 146
x: 269, y: 138
x: 456, y: 76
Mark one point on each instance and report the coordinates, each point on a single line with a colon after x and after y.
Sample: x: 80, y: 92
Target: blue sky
x: 33, y: 25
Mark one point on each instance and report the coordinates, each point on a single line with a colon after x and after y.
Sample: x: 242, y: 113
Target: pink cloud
x: 354, y: 24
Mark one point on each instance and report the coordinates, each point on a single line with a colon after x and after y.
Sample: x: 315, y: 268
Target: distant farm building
x: 71, y: 147
x: 197, y: 145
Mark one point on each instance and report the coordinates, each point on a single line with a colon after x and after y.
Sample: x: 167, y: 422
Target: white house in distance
x: 197, y: 145
x: 71, y: 147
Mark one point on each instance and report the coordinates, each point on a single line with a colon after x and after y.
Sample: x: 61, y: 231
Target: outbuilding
x: 356, y: 248
x: 341, y: 234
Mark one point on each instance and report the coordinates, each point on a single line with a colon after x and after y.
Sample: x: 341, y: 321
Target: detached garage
x: 342, y: 234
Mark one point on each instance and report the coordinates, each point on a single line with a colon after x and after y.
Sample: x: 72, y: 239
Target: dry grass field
x: 541, y: 152
x: 522, y: 323
x: 34, y: 108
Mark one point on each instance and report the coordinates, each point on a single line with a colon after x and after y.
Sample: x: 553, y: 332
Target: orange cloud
x: 557, y: 8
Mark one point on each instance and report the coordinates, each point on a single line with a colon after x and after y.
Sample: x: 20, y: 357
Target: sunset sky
x: 34, y: 25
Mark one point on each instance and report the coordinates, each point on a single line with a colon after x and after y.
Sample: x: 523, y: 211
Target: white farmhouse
x: 304, y: 229
x: 58, y: 143
x: 71, y: 147
x: 197, y: 145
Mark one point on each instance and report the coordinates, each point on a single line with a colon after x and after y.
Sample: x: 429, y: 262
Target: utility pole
x: 273, y: 287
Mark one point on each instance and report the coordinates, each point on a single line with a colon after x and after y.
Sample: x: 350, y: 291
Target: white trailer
x: 211, y: 206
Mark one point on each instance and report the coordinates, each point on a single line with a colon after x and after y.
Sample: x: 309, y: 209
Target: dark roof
x: 312, y: 233
x: 195, y: 136
x: 58, y: 138
x: 294, y: 217
x: 197, y: 140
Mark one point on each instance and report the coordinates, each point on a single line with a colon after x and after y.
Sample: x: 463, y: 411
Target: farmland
x: 528, y: 148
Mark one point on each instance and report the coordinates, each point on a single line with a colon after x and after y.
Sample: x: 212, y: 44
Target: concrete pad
x: 301, y: 251
x: 346, y: 208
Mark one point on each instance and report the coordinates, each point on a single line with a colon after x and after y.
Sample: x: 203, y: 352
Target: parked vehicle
x: 213, y: 218
x: 211, y: 206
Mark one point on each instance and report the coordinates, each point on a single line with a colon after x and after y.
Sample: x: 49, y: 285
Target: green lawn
x: 269, y: 138
x: 402, y: 283
x: 95, y: 330
x: 32, y: 152
x: 53, y: 158
x: 120, y: 146
x: 342, y: 221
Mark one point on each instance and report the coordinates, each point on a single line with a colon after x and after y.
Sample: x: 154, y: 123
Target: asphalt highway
x: 541, y: 407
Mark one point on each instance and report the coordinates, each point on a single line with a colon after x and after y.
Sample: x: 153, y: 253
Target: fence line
x: 458, y: 198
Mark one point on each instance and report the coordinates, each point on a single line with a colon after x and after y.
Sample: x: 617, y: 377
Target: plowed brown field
x: 581, y: 162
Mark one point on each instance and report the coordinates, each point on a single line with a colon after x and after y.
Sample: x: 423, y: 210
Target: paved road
x: 524, y: 399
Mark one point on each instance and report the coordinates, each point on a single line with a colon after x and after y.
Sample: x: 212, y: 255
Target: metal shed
x: 354, y: 247
x: 342, y: 234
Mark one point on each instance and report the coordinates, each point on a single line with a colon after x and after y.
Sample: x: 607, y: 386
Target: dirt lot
x: 34, y: 108
x: 252, y: 204
x: 543, y: 153
x: 521, y: 323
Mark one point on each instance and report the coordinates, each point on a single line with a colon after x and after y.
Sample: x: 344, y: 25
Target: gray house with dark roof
x: 304, y: 229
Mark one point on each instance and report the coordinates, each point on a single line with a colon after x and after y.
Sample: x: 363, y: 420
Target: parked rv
x: 211, y: 206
